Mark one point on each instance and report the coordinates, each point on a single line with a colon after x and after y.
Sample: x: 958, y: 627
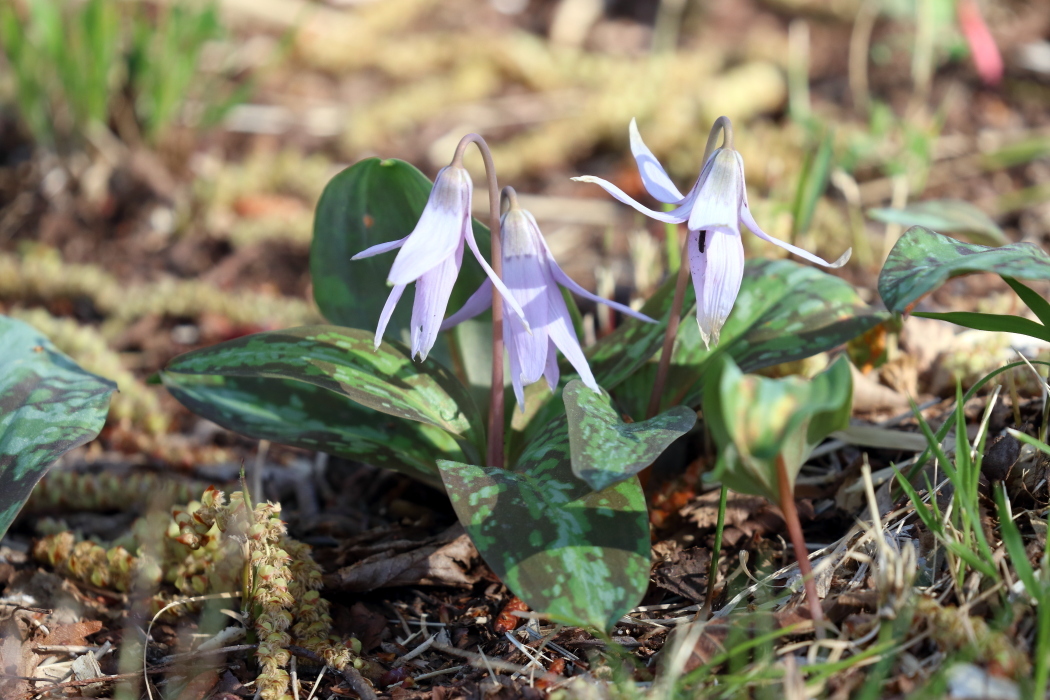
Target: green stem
x: 716, y: 550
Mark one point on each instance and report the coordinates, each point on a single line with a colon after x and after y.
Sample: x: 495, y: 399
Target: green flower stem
x: 787, y: 506
x: 495, y: 432
x: 712, y: 572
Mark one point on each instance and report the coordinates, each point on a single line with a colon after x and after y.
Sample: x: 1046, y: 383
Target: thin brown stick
x: 725, y: 127
x: 350, y: 674
x: 495, y: 442
x: 787, y: 507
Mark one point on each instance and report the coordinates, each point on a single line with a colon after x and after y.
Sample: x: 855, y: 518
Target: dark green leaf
x: 605, y: 450
x: 305, y: 415
x: 48, y: 406
x: 947, y: 216
x: 754, y: 420
x: 579, y: 555
x: 343, y: 360
x: 922, y: 261
x: 992, y: 322
x: 1039, y: 306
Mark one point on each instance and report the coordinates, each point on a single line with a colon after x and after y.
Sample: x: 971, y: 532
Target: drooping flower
x: 533, y: 276
x: 431, y: 256
x: 713, y: 211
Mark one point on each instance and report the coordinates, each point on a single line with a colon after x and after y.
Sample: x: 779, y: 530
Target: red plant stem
x: 787, y: 507
x: 495, y: 442
x: 723, y: 125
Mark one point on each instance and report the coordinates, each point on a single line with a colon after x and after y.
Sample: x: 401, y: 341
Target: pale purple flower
x: 533, y: 276
x: 431, y: 256
x: 713, y: 211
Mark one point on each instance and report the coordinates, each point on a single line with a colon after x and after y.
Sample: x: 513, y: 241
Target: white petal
x: 564, y: 337
x: 432, y: 292
x: 717, y: 202
x: 380, y: 248
x: 439, y: 230
x: 748, y: 220
x: 717, y: 273
x: 525, y: 278
x: 552, y: 373
x: 655, y: 178
x: 508, y: 298
x: 569, y: 283
x: 478, y: 302
x: 678, y: 216
x: 515, y: 367
x: 388, y: 310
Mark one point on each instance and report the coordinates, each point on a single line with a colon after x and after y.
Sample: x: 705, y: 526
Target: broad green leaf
x: 992, y: 322
x: 922, y: 261
x: 606, y: 450
x: 48, y: 406
x: 343, y: 360
x: 785, y: 312
x: 373, y: 201
x: 754, y: 420
x: 305, y: 415
x: 578, y: 555
x: 946, y: 215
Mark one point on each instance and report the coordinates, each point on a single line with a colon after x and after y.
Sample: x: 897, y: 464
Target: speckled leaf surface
x: 922, y: 261
x: 306, y: 415
x: 578, y: 555
x: 373, y: 201
x: 604, y: 449
x: 48, y: 406
x: 753, y: 419
x: 786, y: 311
x: 343, y: 360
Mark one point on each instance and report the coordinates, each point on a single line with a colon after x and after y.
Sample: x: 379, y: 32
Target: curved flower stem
x: 495, y: 433
x: 787, y: 507
x: 723, y: 125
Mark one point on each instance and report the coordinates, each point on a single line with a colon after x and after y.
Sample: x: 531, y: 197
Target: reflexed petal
x: 748, y: 220
x: 552, y: 373
x: 678, y: 216
x: 508, y: 298
x: 524, y: 276
x: 478, y: 302
x: 717, y: 202
x: 432, y: 292
x: 654, y: 177
x: 569, y: 283
x: 380, y: 248
x: 509, y: 338
x: 564, y: 337
x: 388, y: 310
x: 717, y: 273
x: 439, y: 230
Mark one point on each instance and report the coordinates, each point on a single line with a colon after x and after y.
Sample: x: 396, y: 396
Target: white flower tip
x: 585, y: 178
x: 843, y: 259
x: 528, y: 328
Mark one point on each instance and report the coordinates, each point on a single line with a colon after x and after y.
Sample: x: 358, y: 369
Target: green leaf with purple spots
x: 605, y: 449
x: 343, y: 360
x: 305, y: 415
x: 577, y: 555
x: 48, y: 406
x: 922, y: 261
x: 755, y: 419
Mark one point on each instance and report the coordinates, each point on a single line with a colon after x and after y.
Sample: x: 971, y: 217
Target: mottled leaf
x: 754, y: 419
x: 343, y: 360
x: 946, y: 215
x: 578, y: 555
x: 374, y: 201
x: 785, y: 312
x: 48, y: 406
x: 605, y: 449
x: 306, y: 415
x: 922, y: 261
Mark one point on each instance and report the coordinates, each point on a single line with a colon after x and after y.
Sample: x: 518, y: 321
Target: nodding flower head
x: 431, y: 256
x: 713, y: 211
x: 533, y: 277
